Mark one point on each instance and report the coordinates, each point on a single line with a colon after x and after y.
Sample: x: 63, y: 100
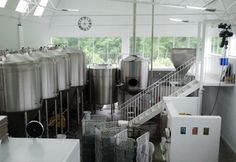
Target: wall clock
x: 85, y: 23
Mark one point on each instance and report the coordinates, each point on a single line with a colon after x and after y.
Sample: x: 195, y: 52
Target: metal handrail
x: 155, y: 92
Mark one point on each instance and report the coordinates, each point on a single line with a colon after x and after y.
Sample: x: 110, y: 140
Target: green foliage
x: 161, y: 48
x: 101, y: 50
x: 215, y: 46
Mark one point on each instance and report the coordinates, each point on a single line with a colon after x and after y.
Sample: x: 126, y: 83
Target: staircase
x: 149, y: 103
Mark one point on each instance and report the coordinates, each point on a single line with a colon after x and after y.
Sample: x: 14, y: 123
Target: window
x: 232, y: 46
x: 3, y: 3
x: 99, y: 50
x: 40, y: 8
x: 162, y: 48
x: 23, y: 6
x: 215, y: 46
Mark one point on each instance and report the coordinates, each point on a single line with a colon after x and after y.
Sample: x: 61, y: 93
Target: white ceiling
x: 226, y: 9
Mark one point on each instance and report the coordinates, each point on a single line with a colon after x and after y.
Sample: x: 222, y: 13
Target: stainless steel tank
x: 63, y: 70
x: 134, y: 73
x: 77, y: 67
x: 20, y: 87
x: 48, y: 74
x: 179, y: 56
x: 103, y: 80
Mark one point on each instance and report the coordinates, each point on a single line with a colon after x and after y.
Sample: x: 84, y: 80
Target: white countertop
x: 40, y: 150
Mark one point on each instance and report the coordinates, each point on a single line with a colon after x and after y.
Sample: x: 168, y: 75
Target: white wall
x: 115, y: 19
x: 226, y: 100
x: 225, y: 107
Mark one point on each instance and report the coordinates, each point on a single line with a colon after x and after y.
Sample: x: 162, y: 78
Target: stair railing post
x: 202, y: 49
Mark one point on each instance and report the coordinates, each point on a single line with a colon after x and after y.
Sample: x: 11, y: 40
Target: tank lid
x: 56, y: 53
x: 132, y: 58
x: 102, y: 66
x: 41, y: 55
x: 18, y: 59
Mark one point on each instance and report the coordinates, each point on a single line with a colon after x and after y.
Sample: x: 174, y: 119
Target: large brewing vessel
x: 48, y: 74
x: 103, y: 81
x: 77, y: 67
x: 134, y: 73
x: 20, y: 87
x: 63, y: 69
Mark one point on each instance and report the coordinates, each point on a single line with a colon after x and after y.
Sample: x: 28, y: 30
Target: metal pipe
x: 134, y: 26
x: 61, y: 112
x: 46, y: 111
x: 152, y: 40
x: 82, y: 100
x: 56, y: 124
x: 78, y: 108
x: 39, y: 113
x: 68, y: 110
x: 26, y: 122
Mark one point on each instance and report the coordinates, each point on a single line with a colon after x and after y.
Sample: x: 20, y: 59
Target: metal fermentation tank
x: 103, y: 86
x: 63, y: 78
x: 78, y: 73
x: 62, y: 68
x: 103, y: 80
x: 134, y: 73
x: 179, y: 56
x: 48, y: 74
x: 20, y: 87
x: 48, y: 65
x: 77, y: 67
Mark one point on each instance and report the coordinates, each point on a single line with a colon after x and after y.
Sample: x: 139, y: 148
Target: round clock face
x: 85, y: 23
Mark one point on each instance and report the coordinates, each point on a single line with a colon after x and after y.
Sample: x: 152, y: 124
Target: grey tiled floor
x: 225, y: 155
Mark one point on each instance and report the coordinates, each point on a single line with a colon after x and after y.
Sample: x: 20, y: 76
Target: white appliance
x: 190, y: 137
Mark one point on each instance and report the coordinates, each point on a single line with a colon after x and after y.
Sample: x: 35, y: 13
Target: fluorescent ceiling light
x: 196, y: 8
x: 3, y: 3
x: 23, y: 6
x: 41, y: 7
x: 172, y: 6
x: 70, y: 10
x: 178, y: 20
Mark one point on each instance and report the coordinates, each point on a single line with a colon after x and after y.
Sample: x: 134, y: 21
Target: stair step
x: 155, y: 109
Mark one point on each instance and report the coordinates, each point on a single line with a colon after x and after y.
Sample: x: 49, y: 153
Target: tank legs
x: 56, y: 131
x: 26, y: 122
x: 68, y: 111
x: 46, y: 111
x: 78, y: 106
x: 61, y: 111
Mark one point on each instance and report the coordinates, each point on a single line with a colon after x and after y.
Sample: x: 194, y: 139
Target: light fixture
x: 172, y: 6
x: 201, y: 8
x: 178, y: 20
x: 40, y: 8
x: 23, y: 6
x: 70, y: 10
x: 196, y: 8
x: 3, y: 3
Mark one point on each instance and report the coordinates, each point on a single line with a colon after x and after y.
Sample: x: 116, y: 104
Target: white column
x: 20, y: 36
x: 202, y: 54
x: 125, y: 45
